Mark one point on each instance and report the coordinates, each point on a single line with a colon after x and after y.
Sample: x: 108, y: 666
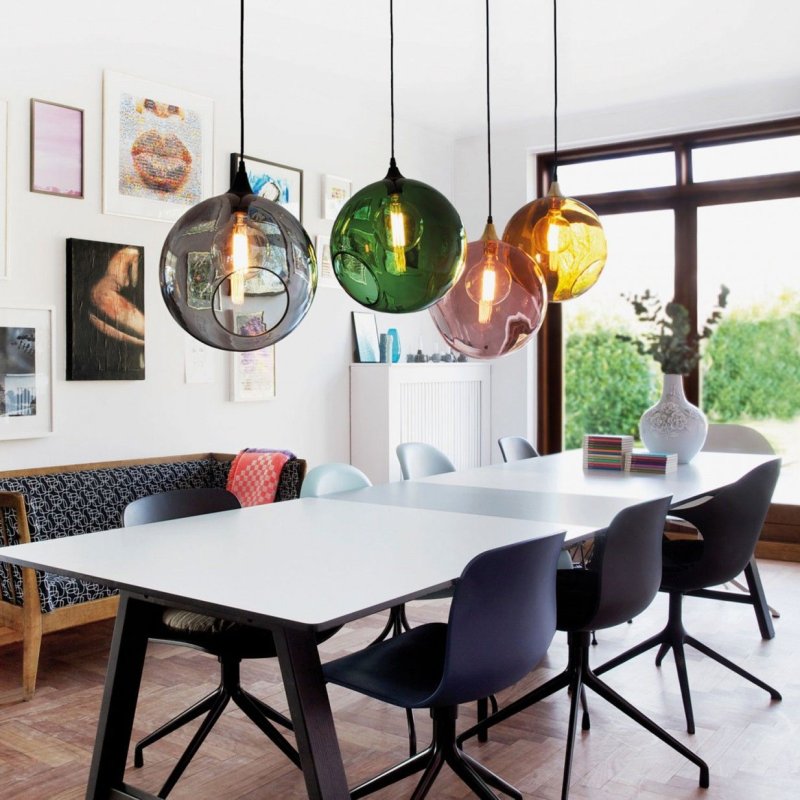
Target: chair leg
x: 410, y: 766
x: 637, y: 650
x: 428, y: 776
x: 269, y: 712
x: 488, y: 776
x: 576, y: 690
x: 396, y: 624
x: 760, y: 606
x: 200, y: 707
x: 707, y: 651
x: 683, y: 681
x: 662, y: 651
x: 610, y: 696
x: 412, y: 733
x: 266, y: 727
x: 586, y: 723
x: 194, y: 745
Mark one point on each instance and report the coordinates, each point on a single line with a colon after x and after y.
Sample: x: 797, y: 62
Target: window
x: 683, y: 215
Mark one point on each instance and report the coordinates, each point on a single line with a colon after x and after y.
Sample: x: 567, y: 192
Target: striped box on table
x: 606, y: 451
x: 645, y: 462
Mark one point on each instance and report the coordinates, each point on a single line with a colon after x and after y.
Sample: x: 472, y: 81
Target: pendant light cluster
x: 562, y: 235
x: 238, y: 271
x: 397, y: 245
x: 500, y: 300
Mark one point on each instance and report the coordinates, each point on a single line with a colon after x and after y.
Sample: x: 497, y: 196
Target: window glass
x: 617, y: 174
x: 743, y: 159
x: 751, y: 366
x: 607, y: 384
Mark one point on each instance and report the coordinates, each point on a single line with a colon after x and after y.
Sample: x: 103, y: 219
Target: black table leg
x: 304, y: 683
x: 759, y: 599
x: 126, y: 659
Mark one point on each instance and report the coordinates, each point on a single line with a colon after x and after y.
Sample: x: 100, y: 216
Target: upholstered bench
x: 52, y: 502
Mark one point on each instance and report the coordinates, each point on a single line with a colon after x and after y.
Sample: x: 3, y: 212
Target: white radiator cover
x: 446, y: 405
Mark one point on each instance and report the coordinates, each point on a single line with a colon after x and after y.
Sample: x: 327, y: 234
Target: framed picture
x: 105, y: 311
x: 365, y: 329
x: 253, y: 375
x: 277, y: 182
x: 26, y: 372
x: 3, y: 192
x: 335, y: 193
x: 56, y: 149
x: 157, y: 148
x: 327, y: 278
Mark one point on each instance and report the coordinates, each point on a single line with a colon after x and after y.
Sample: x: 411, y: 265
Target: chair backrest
x: 627, y: 558
x: 332, y: 478
x: 176, y: 504
x: 502, y: 620
x: 516, y: 448
x: 731, y: 438
x: 730, y: 523
x: 419, y: 460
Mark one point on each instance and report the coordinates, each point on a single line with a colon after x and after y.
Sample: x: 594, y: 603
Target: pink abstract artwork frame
x: 56, y: 149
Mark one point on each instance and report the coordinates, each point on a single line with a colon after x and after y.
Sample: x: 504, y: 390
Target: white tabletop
x: 310, y: 562
x: 563, y: 473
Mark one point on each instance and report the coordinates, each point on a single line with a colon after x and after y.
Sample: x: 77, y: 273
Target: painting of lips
x: 162, y: 161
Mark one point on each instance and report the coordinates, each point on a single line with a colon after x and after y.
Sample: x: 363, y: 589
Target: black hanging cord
x: 391, y: 70
x: 555, y: 91
x: 241, y: 81
x: 488, y: 118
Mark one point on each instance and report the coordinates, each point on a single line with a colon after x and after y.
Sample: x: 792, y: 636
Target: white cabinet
x: 446, y: 405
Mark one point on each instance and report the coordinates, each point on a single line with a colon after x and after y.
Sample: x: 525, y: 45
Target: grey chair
x: 730, y: 523
x: 230, y: 642
x: 516, y: 448
x: 491, y: 640
x: 420, y: 460
x: 606, y: 593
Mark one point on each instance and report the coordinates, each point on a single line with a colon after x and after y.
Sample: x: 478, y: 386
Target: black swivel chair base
x: 229, y: 689
x: 430, y: 761
x: 577, y: 675
x: 674, y: 637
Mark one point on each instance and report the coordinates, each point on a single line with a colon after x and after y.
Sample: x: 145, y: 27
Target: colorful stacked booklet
x: 644, y: 461
x: 604, y: 451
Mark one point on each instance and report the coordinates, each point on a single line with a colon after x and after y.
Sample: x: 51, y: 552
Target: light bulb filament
x: 488, y: 294
x: 239, y: 260
x: 397, y: 233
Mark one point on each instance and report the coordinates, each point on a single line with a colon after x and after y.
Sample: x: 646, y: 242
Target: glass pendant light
x: 397, y: 245
x: 238, y: 271
x: 500, y: 300
x: 563, y: 235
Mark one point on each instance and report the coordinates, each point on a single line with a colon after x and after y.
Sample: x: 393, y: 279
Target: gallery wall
x: 296, y: 117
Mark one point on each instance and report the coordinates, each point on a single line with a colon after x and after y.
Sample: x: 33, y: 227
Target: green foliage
x: 607, y: 385
x: 754, y: 369
x: 670, y: 339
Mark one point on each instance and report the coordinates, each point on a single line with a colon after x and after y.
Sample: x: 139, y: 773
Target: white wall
x: 513, y: 151
x: 57, y: 51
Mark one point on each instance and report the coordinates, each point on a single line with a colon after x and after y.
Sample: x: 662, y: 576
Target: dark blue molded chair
x: 230, y: 642
x: 502, y: 620
x: 730, y: 523
x: 620, y: 581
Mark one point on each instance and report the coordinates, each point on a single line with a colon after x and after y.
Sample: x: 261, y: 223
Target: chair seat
x: 392, y: 670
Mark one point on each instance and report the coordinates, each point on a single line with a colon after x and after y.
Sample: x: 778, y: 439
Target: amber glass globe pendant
x: 500, y: 300
x: 397, y: 245
x: 238, y: 271
x: 562, y: 235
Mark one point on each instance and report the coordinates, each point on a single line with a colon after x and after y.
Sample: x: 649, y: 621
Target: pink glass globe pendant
x: 497, y: 305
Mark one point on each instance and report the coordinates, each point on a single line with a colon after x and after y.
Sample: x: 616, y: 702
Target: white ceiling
x: 611, y: 52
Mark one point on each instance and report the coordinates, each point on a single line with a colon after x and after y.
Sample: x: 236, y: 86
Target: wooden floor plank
x: 749, y: 741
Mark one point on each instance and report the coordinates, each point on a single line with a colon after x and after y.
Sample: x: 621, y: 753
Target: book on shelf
x: 645, y: 462
x: 606, y: 451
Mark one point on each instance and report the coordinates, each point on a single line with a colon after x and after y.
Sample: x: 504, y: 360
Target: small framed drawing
x: 3, y: 195
x: 277, y: 182
x: 327, y: 279
x: 335, y: 193
x: 56, y: 149
x: 253, y: 375
x: 365, y: 329
x: 26, y: 372
x: 157, y: 148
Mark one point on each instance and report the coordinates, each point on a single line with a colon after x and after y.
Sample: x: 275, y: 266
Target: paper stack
x: 603, y: 451
x: 643, y: 461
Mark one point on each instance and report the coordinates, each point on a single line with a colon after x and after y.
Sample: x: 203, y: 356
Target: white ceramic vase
x: 673, y: 424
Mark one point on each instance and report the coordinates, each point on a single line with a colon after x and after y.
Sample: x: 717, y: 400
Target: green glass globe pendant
x: 398, y: 245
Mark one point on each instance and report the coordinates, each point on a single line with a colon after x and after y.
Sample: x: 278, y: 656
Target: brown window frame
x: 683, y: 197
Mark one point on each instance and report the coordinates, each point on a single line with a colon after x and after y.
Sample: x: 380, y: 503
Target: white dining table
x: 301, y: 567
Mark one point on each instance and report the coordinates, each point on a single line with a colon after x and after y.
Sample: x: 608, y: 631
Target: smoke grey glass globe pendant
x: 397, y: 245
x: 238, y: 271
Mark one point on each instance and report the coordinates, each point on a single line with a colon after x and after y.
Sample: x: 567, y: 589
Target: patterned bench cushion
x: 70, y: 503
